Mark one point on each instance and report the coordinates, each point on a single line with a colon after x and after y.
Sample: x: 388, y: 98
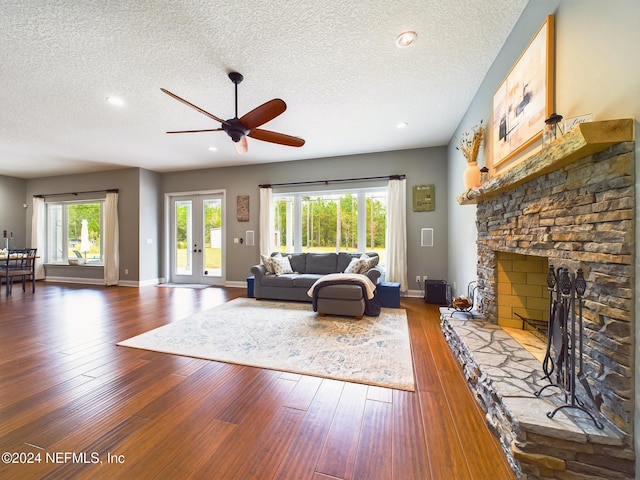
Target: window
x: 337, y: 221
x: 74, y: 230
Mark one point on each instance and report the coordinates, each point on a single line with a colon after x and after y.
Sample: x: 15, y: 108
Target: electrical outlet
x: 424, y: 278
x: 417, y: 278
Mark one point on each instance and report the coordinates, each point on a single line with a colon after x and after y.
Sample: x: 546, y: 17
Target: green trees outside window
x: 74, y: 230
x: 337, y: 221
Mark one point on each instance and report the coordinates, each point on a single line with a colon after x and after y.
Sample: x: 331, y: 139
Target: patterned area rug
x: 290, y: 337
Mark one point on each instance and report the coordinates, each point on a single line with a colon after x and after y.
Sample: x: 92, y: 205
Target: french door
x: 197, y: 239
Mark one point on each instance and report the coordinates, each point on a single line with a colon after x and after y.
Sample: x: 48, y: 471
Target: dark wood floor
x: 86, y: 408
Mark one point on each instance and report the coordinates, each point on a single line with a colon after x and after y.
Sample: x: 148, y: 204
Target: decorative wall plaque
x: 424, y: 198
x: 242, y: 208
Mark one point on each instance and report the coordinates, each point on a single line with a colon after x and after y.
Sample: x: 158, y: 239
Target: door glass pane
x: 183, y: 235
x: 212, y: 230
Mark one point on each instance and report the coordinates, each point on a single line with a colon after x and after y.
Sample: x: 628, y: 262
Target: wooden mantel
x: 584, y: 140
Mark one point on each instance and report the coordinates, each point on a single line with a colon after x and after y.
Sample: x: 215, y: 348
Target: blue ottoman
x: 388, y: 294
x: 250, y: 281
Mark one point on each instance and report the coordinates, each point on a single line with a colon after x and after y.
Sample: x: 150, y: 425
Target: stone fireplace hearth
x: 573, y: 205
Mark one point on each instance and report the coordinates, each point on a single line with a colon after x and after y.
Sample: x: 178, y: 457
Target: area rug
x: 291, y: 337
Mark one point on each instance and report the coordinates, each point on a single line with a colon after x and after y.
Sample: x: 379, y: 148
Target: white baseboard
x: 414, y: 294
x: 81, y: 280
x: 100, y: 281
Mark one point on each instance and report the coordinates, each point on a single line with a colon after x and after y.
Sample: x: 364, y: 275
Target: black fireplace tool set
x: 564, y: 353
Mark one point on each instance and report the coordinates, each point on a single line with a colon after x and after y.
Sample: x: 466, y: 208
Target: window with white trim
x: 353, y: 220
x: 74, y: 230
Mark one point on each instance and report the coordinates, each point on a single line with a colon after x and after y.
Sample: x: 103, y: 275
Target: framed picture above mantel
x: 524, y: 99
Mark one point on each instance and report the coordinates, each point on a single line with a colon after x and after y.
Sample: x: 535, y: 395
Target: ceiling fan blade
x: 241, y: 146
x: 264, y: 113
x: 275, y: 137
x: 189, y: 104
x: 197, y: 131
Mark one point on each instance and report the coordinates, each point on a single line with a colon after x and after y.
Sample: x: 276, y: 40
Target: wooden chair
x: 19, y: 263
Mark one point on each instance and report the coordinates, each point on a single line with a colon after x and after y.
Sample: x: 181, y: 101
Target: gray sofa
x: 307, y: 267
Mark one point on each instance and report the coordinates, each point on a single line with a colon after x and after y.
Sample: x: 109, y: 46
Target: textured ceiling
x: 335, y: 63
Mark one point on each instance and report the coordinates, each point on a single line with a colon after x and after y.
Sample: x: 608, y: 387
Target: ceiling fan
x: 247, y: 125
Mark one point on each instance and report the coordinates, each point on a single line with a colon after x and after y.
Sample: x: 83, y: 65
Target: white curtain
x: 111, y: 240
x: 37, y: 235
x: 266, y: 221
x: 397, y: 233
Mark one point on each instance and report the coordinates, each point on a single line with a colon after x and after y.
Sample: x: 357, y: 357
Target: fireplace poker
x: 581, y: 287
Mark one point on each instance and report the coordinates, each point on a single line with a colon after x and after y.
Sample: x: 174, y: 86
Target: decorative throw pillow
x: 368, y: 262
x: 372, y: 262
x: 268, y: 263
x: 357, y: 265
x: 353, y: 266
x: 281, y: 265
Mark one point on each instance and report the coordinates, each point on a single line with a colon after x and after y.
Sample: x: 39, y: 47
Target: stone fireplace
x: 572, y: 204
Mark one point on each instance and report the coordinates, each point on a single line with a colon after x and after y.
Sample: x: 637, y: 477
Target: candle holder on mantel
x: 553, y: 129
x: 484, y: 175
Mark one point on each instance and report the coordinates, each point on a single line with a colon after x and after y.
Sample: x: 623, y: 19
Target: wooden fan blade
x: 197, y: 131
x: 189, y: 104
x: 275, y: 137
x: 264, y: 113
x: 241, y: 146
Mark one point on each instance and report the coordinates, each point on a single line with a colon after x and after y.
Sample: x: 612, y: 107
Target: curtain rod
x: 111, y: 190
x: 327, y: 182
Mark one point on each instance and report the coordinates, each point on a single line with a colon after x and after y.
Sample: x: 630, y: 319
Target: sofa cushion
x: 298, y: 262
x: 305, y: 280
x: 285, y: 280
x: 343, y: 261
x: 322, y: 263
x: 341, y: 292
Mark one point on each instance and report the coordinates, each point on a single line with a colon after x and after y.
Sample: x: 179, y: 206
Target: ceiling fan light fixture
x: 406, y: 38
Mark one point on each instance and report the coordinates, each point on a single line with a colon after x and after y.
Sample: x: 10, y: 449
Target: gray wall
x: 151, y: 224
x: 13, y: 215
x: 142, y: 193
x: 421, y: 166
x: 127, y: 182
x: 597, y: 72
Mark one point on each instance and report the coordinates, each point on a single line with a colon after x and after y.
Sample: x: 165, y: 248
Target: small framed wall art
x: 242, y: 208
x: 424, y: 198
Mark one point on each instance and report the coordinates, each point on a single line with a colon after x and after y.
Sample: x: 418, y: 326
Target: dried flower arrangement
x: 470, y: 143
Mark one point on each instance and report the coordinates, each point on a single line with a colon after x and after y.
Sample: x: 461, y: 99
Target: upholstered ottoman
x: 345, y: 300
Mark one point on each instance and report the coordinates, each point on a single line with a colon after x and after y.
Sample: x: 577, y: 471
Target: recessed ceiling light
x: 117, y: 101
x: 406, y: 38
x: 402, y: 125
x: 213, y: 149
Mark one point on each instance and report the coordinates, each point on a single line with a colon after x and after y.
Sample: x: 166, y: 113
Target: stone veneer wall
x: 581, y: 215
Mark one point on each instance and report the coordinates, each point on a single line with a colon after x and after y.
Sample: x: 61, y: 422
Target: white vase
x: 471, y: 176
